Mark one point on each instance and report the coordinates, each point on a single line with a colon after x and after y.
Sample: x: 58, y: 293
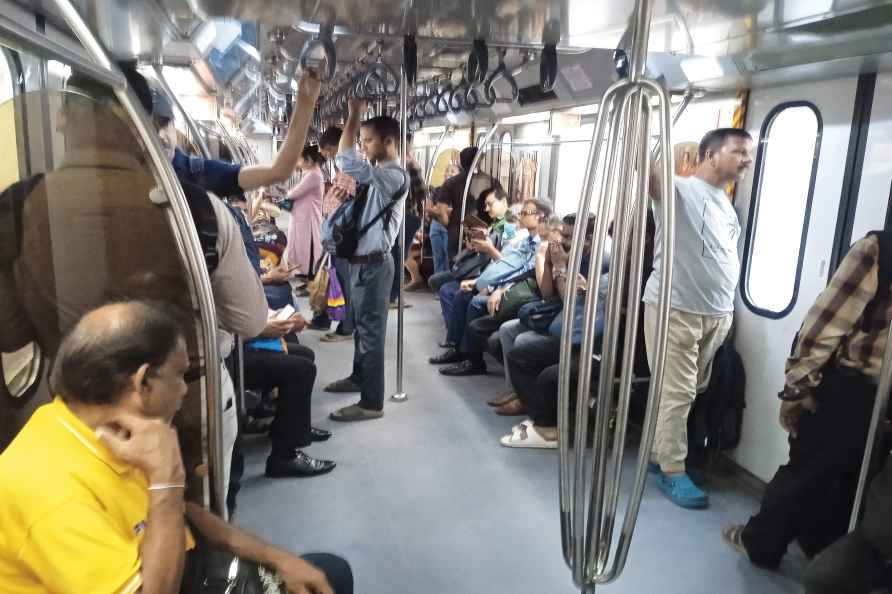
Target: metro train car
x: 587, y: 385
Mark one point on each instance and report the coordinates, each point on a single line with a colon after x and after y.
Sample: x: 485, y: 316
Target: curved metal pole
x: 879, y: 413
x: 430, y: 169
x: 477, y: 157
x: 200, y: 141
x: 401, y: 395
x: 186, y: 237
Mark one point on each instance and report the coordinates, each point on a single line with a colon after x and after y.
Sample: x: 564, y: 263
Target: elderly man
x: 91, y: 489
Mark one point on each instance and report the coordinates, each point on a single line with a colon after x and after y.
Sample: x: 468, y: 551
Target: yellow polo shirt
x: 72, y: 517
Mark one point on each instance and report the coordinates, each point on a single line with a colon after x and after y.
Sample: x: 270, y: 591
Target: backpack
x: 716, y: 418
x: 346, y: 230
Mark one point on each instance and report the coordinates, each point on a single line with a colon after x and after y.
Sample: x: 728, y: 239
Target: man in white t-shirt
x: 704, y: 282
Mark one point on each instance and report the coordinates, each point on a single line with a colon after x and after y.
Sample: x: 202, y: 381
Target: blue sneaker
x: 681, y: 491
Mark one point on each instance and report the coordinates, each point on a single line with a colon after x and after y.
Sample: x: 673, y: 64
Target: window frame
x: 755, y: 196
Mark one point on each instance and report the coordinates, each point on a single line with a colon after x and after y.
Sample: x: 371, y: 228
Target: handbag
x: 337, y: 305
x: 520, y: 293
x: 318, y: 287
x: 218, y: 572
x: 538, y: 315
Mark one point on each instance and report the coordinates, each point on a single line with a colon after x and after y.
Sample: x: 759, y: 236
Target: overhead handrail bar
x: 874, y: 434
x: 619, y: 165
x: 186, y: 237
x: 480, y: 151
x: 15, y: 36
x: 199, y: 138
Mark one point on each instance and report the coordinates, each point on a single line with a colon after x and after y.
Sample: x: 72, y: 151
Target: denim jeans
x: 439, y: 237
x: 369, y: 290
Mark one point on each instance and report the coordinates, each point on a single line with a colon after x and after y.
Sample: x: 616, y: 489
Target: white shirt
x: 705, y: 267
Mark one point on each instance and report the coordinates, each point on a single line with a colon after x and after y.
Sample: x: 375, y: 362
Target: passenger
x: 704, y: 282
x: 469, y: 302
x: 447, y: 200
x: 480, y: 251
x: 414, y: 208
x: 328, y: 147
x: 533, y: 354
x: 858, y: 562
x: 91, y: 489
x: 826, y: 407
x: 304, y: 239
x: 225, y: 179
x: 371, y: 268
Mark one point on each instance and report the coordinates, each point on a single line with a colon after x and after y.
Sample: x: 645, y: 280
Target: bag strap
x: 396, y: 197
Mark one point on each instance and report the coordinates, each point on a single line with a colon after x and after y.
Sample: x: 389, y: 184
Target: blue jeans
x: 369, y: 290
x: 342, y: 269
x: 439, y: 237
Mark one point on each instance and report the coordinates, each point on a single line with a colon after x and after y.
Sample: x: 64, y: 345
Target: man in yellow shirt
x: 91, y: 490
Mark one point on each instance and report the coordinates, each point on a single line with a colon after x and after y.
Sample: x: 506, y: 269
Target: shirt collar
x: 86, y: 436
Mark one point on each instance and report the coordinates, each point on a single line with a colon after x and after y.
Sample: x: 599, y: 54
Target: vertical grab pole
x: 477, y: 157
x: 401, y: 395
x: 200, y: 141
x: 874, y: 434
x: 186, y: 236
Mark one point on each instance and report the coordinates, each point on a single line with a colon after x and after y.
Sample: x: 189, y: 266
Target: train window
x: 505, y: 161
x: 779, y: 210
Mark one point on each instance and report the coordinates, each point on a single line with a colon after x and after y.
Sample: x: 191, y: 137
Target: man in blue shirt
x: 227, y: 179
x: 371, y: 266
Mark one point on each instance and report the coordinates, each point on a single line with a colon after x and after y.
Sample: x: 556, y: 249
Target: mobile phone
x: 285, y: 313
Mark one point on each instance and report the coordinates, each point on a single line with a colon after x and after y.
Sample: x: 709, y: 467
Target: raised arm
x: 256, y: 176
x: 355, y: 108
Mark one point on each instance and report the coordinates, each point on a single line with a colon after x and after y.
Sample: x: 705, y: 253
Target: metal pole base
x: 401, y: 397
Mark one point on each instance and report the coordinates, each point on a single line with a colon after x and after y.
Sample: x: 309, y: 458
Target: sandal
x: 503, y: 399
x: 512, y: 408
x: 526, y: 436
x: 732, y: 536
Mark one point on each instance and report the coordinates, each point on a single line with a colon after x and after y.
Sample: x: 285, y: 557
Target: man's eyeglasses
x: 524, y: 213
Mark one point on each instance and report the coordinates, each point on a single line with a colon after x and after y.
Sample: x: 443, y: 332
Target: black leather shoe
x: 265, y: 410
x: 319, y: 434
x: 464, y: 368
x: 299, y: 466
x: 446, y: 345
x: 450, y: 356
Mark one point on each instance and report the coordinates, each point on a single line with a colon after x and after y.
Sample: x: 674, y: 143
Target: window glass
x: 787, y: 161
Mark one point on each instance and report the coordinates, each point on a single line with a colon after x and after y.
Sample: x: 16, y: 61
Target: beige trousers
x: 693, y: 341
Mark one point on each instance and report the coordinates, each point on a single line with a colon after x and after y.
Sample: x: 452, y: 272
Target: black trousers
x: 809, y: 500
x: 293, y: 375
x: 336, y: 570
x: 525, y: 362
x: 477, y: 334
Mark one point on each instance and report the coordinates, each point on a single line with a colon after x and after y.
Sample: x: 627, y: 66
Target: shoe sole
x: 338, y: 339
x: 341, y: 419
x: 505, y: 441
x: 279, y: 476
x: 339, y: 391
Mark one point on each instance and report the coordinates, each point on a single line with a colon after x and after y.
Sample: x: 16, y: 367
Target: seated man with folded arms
x: 91, y: 489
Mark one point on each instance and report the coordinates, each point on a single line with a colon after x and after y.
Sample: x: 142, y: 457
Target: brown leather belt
x: 373, y: 258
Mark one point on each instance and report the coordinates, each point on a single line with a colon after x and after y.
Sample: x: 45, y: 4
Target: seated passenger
x: 91, y: 489
x: 826, y: 407
x: 448, y: 213
x: 469, y: 302
x: 702, y: 302
x: 480, y: 251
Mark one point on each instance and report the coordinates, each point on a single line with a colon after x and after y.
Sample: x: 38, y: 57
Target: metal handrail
x: 189, y: 248
x: 430, y: 169
x: 401, y: 395
x: 874, y: 434
x: 620, y: 164
x: 469, y: 179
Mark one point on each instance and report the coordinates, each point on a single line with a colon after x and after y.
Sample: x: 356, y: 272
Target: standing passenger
x: 371, y: 267
x: 704, y: 282
x: 304, y: 243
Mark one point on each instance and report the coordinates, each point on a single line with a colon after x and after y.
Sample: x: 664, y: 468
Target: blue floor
x: 426, y: 501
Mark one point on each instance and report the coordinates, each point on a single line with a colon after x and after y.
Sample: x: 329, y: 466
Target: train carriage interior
x: 576, y: 109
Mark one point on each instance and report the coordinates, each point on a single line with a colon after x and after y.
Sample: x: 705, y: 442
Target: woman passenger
x: 304, y: 232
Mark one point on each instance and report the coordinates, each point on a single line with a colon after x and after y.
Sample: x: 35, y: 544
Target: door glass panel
x: 84, y: 234
x: 787, y: 162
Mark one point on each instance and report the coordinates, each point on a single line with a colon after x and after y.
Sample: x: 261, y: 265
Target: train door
x: 788, y: 205
x: 871, y: 211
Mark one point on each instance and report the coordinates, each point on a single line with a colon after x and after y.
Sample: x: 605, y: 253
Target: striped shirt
x: 842, y: 327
